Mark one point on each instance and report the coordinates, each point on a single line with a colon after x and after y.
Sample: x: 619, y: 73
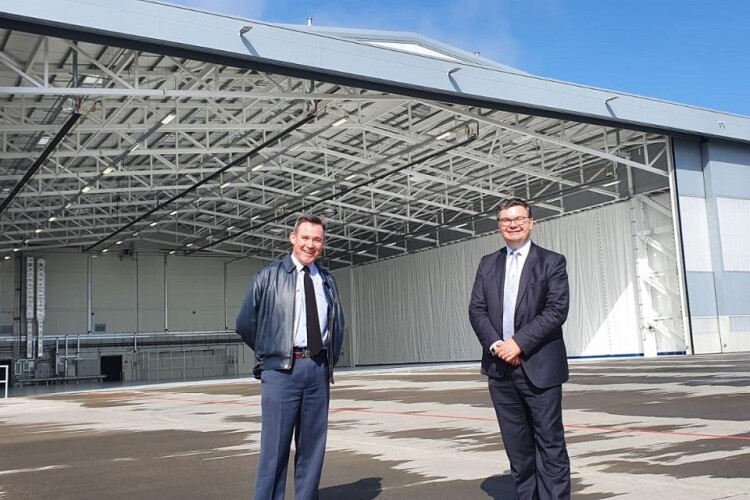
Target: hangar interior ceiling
x: 113, y: 149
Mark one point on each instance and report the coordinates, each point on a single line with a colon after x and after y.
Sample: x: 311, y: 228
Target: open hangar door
x: 123, y: 147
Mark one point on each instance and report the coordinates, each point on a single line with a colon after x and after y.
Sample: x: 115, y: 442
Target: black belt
x: 304, y: 352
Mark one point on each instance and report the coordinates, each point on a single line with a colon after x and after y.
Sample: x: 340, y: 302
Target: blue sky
x: 693, y: 52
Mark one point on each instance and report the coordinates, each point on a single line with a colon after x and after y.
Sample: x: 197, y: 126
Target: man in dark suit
x: 518, y: 306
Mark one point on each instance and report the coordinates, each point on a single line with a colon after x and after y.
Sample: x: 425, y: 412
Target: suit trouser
x: 293, y: 402
x: 532, y: 430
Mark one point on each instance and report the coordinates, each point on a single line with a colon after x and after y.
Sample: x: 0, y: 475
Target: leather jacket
x: 266, y: 319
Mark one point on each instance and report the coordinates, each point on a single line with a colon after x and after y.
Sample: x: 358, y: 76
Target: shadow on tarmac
x: 368, y: 488
x: 499, y: 487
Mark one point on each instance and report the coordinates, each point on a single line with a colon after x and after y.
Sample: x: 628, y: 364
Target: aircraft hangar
x: 153, y: 157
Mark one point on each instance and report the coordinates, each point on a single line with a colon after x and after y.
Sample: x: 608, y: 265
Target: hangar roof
x: 139, y: 124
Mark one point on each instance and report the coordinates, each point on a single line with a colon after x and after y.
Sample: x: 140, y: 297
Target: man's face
x: 518, y: 231
x: 307, y: 242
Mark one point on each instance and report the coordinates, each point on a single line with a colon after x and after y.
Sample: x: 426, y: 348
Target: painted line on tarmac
x: 626, y: 430
x: 33, y: 469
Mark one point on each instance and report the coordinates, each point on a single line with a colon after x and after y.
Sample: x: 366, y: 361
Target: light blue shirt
x: 515, y: 258
x: 523, y: 253
x: 300, y: 316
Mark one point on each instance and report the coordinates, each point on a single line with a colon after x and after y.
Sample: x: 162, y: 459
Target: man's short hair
x: 312, y: 219
x: 514, y: 202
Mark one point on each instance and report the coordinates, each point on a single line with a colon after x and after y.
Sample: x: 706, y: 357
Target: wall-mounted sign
x: 41, y: 282
x: 30, y: 306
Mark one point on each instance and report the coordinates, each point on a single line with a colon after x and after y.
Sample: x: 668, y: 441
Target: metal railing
x: 4, y: 379
x: 126, y: 337
x: 64, y: 353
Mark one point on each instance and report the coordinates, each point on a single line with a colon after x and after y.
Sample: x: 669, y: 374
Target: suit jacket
x: 541, y: 310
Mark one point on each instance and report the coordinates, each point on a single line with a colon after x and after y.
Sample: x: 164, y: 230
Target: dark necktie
x: 314, y: 340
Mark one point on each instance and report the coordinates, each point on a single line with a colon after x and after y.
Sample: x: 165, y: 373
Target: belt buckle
x: 302, y: 353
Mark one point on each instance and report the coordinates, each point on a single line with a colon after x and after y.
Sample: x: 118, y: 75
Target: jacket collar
x: 288, y: 264
x: 528, y: 267
x: 524, y: 249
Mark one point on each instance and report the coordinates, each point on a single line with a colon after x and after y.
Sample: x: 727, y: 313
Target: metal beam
x: 311, y: 116
x: 51, y: 145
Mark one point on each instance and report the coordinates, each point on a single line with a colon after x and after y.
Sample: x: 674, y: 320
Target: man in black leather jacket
x: 297, y: 340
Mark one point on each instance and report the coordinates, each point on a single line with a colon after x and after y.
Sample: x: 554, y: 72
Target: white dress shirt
x: 300, y: 318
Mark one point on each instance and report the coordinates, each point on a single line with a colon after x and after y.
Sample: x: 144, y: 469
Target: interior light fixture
x: 521, y: 139
x: 69, y: 204
x: 315, y: 192
x: 418, y: 178
x: 108, y: 170
x: 168, y: 119
x: 105, y: 250
x: 86, y: 189
x: 16, y: 249
x: 444, y: 135
x: 91, y: 80
x: 172, y: 252
x: 350, y: 177
x: 135, y: 233
x: 255, y: 217
x: 613, y: 183
x: 38, y: 230
x: 52, y: 218
x: 256, y: 167
x: 153, y: 224
x: 189, y: 245
x: 461, y: 225
x: 173, y: 212
x: 7, y: 257
x: 43, y: 140
x: 230, y: 228
x: 118, y: 242
x: 225, y: 185
x: 339, y: 122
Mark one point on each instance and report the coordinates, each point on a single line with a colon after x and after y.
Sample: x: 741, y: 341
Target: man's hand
x: 509, y: 352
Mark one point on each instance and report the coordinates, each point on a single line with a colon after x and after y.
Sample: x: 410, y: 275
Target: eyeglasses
x: 518, y: 221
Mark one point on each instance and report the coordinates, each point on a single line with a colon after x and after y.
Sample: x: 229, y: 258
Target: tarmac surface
x: 674, y: 428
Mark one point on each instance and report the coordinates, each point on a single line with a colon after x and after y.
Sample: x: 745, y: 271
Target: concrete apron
x: 658, y: 428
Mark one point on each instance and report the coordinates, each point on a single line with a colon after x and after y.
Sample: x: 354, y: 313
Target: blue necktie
x: 510, y: 294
